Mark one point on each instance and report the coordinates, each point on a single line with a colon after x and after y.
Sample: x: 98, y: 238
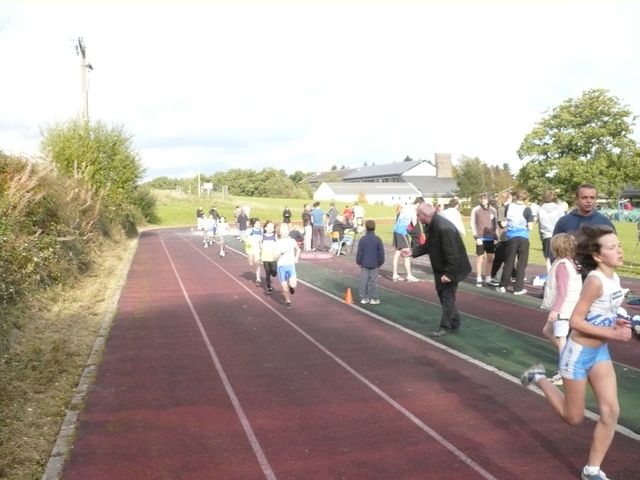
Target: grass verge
x: 49, y: 348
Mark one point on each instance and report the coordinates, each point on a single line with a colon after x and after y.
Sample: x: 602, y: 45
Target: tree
x: 473, y: 177
x: 588, y: 139
x: 102, y: 155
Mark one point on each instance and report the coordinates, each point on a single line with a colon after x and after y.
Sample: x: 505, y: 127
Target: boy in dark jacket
x: 370, y: 257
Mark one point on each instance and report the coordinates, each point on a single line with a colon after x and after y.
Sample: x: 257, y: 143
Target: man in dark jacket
x: 449, y: 262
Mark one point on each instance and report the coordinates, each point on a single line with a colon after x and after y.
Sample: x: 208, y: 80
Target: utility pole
x: 81, y: 50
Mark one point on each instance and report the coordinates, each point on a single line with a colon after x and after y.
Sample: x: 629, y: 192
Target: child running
x: 252, y: 245
x: 222, y: 230
x: 208, y: 230
x: 288, y: 253
x: 268, y: 255
x: 561, y: 293
x: 585, y: 358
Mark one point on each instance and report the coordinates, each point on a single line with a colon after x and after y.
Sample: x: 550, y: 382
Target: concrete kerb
x: 53, y: 470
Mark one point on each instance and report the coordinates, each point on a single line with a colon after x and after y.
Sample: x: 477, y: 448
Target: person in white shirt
x: 452, y: 213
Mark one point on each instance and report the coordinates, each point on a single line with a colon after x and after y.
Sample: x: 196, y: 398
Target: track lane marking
x: 246, y: 425
x: 404, y: 411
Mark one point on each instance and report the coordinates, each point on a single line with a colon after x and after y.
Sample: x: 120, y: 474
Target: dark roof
x: 386, y: 170
x: 330, y: 176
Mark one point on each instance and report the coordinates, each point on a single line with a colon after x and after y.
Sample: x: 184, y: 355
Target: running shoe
x: 374, y: 301
x: 501, y: 290
x: 478, y: 282
x: 597, y: 476
x: 556, y: 379
x: 287, y: 304
x: 396, y: 278
x: 364, y: 301
x: 528, y: 377
x: 494, y: 282
x: 520, y: 292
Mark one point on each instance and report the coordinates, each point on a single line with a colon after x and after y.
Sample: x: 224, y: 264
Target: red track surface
x: 203, y: 377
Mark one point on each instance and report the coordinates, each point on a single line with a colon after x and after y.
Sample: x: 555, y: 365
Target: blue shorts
x: 285, y: 272
x: 577, y: 360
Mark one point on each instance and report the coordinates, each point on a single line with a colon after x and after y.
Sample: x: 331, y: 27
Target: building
x: 394, y: 183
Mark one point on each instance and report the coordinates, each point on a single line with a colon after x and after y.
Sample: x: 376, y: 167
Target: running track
x: 204, y: 377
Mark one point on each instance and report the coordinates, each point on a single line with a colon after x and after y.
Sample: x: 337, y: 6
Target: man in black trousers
x: 449, y: 262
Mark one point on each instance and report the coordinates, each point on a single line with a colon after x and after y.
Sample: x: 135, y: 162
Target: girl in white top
x: 288, y: 253
x: 562, y: 290
x: 585, y: 359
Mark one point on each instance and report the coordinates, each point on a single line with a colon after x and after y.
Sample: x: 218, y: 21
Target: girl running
x: 268, y: 255
x: 585, y: 358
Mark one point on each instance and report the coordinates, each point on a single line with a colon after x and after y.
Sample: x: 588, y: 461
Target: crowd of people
x: 582, y: 294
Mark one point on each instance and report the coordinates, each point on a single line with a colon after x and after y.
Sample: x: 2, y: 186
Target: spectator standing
x: 501, y: 247
x: 402, y: 240
x: 306, y: 227
x: 286, y: 215
x: 452, y: 213
x: 586, y: 359
x: 548, y: 215
x: 317, y: 221
x: 584, y: 213
x: 358, y: 215
x: 348, y: 215
x: 370, y: 257
x: 242, y: 220
x: 449, y: 262
x: 484, y: 227
x: 332, y: 214
x: 519, y: 224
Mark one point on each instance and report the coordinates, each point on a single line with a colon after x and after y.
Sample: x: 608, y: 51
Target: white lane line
x: 415, y: 420
x: 246, y: 425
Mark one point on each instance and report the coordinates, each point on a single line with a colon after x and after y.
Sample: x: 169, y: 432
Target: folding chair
x: 336, y: 244
x: 348, y: 240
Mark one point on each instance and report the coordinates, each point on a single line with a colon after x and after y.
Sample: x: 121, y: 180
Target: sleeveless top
x: 603, y: 311
x: 574, y: 285
x: 268, y: 247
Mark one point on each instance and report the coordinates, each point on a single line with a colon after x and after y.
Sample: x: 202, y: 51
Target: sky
x: 205, y: 86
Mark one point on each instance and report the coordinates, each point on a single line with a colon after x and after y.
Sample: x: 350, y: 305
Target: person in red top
x: 348, y: 216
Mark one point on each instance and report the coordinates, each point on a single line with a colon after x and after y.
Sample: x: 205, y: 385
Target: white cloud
x: 306, y: 85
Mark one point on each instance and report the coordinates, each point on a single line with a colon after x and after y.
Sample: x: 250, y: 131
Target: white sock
x: 591, y: 470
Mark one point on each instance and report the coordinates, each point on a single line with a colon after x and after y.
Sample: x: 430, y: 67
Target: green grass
x: 176, y: 210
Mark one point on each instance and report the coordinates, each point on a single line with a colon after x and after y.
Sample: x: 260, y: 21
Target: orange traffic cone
x: 348, y: 299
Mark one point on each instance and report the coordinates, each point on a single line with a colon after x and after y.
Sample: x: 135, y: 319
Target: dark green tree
x: 588, y: 139
x: 473, y: 177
